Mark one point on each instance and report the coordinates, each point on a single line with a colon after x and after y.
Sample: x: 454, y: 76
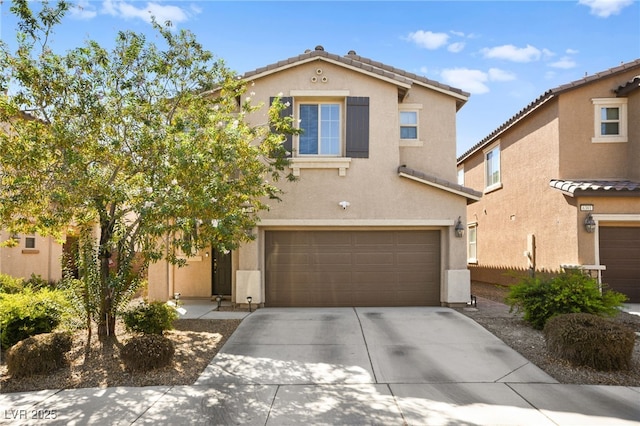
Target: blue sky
x: 505, y: 53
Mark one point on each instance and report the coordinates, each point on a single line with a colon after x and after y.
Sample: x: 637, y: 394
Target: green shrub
x: 36, y: 282
x: 30, y: 312
x: 570, y: 292
x: 150, y: 318
x: 39, y: 354
x: 147, y: 352
x: 10, y: 285
x: 590, y: 340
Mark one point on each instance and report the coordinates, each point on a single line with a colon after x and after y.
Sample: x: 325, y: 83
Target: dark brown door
x: 620, y: 253
x: 352, y: 268
x: 221, y: 273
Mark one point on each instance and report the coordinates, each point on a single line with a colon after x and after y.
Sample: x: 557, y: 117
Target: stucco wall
x: 43, y: 260
x: 579, y: 156
x: 634, y: 135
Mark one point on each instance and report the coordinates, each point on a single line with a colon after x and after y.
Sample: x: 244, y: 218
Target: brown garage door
x: 620, y: 253
x: 352, y: 268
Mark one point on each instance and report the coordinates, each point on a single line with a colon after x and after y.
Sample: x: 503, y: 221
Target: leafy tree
x: 145, y: 148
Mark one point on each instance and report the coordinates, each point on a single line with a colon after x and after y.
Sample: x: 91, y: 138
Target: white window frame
x: 489, y: 185
x: 319, y: 103
x: 598, y: 105
x: 412, y: 142
x: 472, y: 243
x: 460, y: 176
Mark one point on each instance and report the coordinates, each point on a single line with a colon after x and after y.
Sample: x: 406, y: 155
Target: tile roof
x: 471, y: 194
x: 628, y: 87
x: 354, y: 60
x: 584, y: 187
x: 548, y: 95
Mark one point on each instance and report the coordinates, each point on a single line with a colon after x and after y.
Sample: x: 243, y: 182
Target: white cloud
x: 565, y: 63
x: 457, y: 33
x: 428, y: 39
x: 510, y: 52
x: 456, y: 47
x: 572, y: 51
x: 496, y: 74
x: 472, y: 81
x: 83, y: 10
x: 605, y: 8
x: 162, y: 13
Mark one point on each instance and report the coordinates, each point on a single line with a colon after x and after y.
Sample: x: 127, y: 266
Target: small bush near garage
x: 150, y: 318
x: 147, y: 352
x: 569, y: 292
x: 590, y: 340
x: 32, y: 312
x: 39, y: 354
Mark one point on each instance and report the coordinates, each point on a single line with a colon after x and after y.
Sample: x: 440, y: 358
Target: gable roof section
x: 403, y: 79
x: 553, y: 93
x: 595, y: 188
x: 470, y: 194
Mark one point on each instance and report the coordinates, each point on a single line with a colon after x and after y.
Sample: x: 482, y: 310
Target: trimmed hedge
x: 591, y: 341
x: 39, y: 354
x: 147, y: 352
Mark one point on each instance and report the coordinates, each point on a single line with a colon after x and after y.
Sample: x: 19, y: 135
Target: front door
x: 221, y: 273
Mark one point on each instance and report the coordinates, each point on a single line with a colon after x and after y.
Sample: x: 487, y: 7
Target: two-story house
x: 561, y: 185
x: 375, y: 217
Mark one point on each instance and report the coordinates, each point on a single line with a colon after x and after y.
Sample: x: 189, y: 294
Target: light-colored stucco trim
x: 340, y: 64
x: 436, y: 185
x: 352, y: 223
x: 315, y: 162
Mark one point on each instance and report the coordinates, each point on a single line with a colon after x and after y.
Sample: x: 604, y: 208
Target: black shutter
x: 358, y: 127
x: 288, y: 111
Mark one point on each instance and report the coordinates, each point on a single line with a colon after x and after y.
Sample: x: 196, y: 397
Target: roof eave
x: 468, y: 193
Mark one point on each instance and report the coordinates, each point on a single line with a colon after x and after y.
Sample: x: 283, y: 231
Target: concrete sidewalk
x: 392, y: 366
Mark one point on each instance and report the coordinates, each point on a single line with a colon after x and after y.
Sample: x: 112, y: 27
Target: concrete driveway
x: 365, y: 345
x: 387, y: 366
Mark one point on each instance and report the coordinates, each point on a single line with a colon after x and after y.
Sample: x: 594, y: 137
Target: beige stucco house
x: 561, y: 185
x: 33, y: 254
x: 371, y: 219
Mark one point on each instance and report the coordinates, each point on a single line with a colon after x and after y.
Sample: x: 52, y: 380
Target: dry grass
x: 98, y: 363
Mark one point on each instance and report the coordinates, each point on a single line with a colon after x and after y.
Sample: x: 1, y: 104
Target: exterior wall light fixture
x: 459, y: 228
x: 589, y: 224
x: 249, y: 299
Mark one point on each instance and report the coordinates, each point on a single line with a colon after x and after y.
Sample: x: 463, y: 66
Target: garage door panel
x: 352, y: 268
x: 620, y: 253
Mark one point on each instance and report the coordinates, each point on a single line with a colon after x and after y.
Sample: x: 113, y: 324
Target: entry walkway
x: 391, y: 366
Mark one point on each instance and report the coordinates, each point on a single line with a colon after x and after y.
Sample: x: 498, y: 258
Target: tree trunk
x: 107, y: 319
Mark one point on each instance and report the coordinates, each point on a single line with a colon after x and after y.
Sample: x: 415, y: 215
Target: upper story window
x: 408, y: 124
x: 335, y: 129
x: 492, y: 168
x: 610, y: 120
x: 30, y: 242
x: 461, y: 176
x: 321, y: 129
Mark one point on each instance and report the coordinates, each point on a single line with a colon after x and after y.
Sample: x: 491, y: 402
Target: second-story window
x: 610, y: 120
x: 492, y: 168
x: 408, y: 125
x: 321, y: 129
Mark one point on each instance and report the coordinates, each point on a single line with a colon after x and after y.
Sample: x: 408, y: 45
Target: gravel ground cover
x: 494, y: 315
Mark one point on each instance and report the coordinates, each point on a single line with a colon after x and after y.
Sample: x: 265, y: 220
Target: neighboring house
x: 561, y: 183
x: 33, y: 254
x: 371, y: 220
